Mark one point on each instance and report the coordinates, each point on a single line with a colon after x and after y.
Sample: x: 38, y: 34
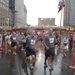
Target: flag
x: 60, y: 5
x: 74, y: 37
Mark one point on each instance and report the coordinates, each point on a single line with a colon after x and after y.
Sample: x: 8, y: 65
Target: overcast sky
x: 41, y: 9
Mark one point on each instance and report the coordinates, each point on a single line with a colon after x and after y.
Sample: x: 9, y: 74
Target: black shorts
x: 24, y: 45
x: 30, y: 51
x: 13, y: 44
x: 50, y: 52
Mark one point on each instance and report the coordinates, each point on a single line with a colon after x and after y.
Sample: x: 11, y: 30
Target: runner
x: 56, y: 46
x: 70, y: 42
x: 59, y: 40
x: 23, y: 40
x: 8, y: 42
x: 31, y: 48
x: 65, y: 44
x: 49, y: 44
x: 21, y: 43
x: 14, y: 43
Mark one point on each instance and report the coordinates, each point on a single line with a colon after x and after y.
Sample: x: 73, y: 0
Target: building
x: 12, y: 5
x: 46, y: 21
x: 13, y: 13
x: 5, y: 15
x: 19, y: 13
x: 25, y: 14
x: 69, y: 13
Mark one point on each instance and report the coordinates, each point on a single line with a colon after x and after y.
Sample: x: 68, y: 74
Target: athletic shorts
x: 24, y: 45
x: 13, y: 44
x: 8, y: 43
x: 50, y: 52
x: 30, y: 51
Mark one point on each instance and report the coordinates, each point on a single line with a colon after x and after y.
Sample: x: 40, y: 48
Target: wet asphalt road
x: 12, y: 65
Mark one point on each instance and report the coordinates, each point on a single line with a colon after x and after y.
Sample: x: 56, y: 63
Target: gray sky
x: 42, y: 9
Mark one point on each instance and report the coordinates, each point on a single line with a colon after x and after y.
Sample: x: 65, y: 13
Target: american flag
x: 74, y: 37
x: 60, y: 5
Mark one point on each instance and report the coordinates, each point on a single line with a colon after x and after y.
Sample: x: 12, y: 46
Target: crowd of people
x: 17, y: 41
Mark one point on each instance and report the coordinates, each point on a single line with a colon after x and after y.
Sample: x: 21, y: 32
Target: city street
x: 28, y: 28
x: 32, y: 31
x: 61, y: 66
x: 12, y: 65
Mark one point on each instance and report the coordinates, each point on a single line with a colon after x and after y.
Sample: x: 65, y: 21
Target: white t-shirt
x: 8, y: 37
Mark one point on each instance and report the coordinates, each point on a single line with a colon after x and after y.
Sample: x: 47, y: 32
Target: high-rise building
x: 19, y: 13
x: 5, y: 15
x: 46, y: 21
x: 13, y: 13
x: 69, y: 13
x: 12, y: 4
x: 25, y: 14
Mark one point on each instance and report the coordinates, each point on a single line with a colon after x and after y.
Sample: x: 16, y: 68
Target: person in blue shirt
x: 65, y: 45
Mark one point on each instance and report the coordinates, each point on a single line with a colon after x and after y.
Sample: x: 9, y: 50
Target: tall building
x: 13, y: 13
x: 25, y: 14
x: 69, y: 13
x: 19, y: 13
x: 5, y: 15
x: 12, y: 4
x: 46, y: 21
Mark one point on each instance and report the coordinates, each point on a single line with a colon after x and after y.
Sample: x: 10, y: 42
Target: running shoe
x: 31, y: 66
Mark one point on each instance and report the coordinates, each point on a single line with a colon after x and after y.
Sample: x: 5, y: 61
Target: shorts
x: 13, y: 44
x: 8, y: 43
x: 30, y: 51
x: 65, y: 47
x: 50, y: 52
x: 24, y: 45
